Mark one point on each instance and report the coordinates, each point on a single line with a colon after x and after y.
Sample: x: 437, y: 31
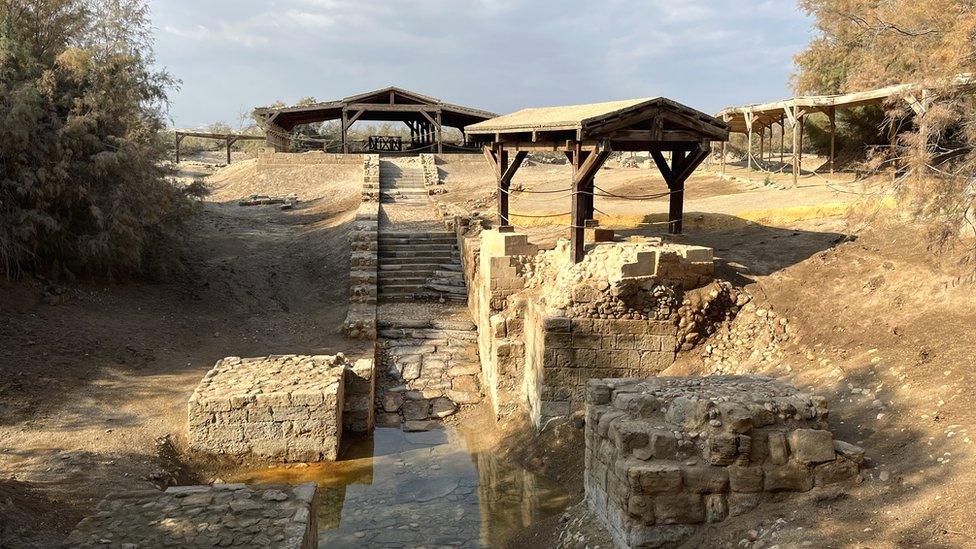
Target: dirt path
x: 87, y: 386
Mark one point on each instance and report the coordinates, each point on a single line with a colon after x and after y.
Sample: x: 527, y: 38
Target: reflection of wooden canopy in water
x: 228, y: 138
x: 424, y: 116
x: 752, y: 118
x: 588, y: 134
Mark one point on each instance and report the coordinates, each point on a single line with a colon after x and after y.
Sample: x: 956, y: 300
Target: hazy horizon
x: 495, y: 55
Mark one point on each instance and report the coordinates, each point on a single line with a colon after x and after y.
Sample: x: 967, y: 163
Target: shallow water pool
x: 428, y: 489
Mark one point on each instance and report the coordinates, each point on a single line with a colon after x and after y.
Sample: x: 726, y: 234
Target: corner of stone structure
x: 285, y: 408
x: 667, y: 456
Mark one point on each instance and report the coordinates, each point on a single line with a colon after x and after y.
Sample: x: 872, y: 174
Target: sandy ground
x: 87, y: 386
x: 544, y: 190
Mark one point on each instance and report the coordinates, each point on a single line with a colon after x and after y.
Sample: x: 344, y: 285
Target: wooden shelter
x: 425, y: 116
x: 228, y: 138
x: 587, y: 134
x: 750, y: 119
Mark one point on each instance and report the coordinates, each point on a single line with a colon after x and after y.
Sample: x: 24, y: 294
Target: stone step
x: 416, y: 254
x: 406, y: 268
x: 445, y: 289
x: 408, y: 262
x: 436, y: 246
x: 439, y: 324
x: 429, y: 234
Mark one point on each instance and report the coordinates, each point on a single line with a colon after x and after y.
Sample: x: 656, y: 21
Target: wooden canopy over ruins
x: 425, y: 116
x: 750, y: 119
x: 587, y: 134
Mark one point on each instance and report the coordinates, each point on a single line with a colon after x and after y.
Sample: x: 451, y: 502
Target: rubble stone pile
x: 282, y: 408
x: 666, y: 454
x: 225, y: 515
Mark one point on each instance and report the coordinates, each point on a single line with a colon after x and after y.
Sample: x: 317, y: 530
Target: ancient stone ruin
x: 224, y: 515
x: 664, y: 455
x: 282, y: 408
x: 547, y: 325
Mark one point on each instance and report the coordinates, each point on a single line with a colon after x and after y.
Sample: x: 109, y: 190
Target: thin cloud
x: 499, y: 55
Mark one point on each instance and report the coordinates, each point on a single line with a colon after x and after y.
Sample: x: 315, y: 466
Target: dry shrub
x: 863, y: 44
x: 82, y: 187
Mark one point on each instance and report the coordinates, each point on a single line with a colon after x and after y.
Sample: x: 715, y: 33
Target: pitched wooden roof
x: 386, y: 101
x: 590, y: 118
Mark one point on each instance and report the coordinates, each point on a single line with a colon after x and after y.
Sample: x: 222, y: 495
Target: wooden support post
x: 586, y: 164
x: 501, y: 168
x: 676, y: 202
x: 229, y: 143
x: 723, y: 156
x: 179, y: 139
x: 832, y: 116
x: 749, y: 118
x: 345, y: 128
x: 782, y: 139
x: 762, y: 144
x: 803, y: 125
x: 576, y: 217
x: 440, y: 136
x: 796, y: 116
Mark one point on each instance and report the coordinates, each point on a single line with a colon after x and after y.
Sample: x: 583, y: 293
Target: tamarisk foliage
x: 83, y: 188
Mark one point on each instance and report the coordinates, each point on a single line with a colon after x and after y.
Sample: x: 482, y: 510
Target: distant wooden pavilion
x: 752, y: 119
x: 587, y: 134
x: 425, y: 117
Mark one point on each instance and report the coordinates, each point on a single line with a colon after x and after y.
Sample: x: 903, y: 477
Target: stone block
x: 811, y: 446
x: 778, y: 450
x: 679, y: 509
x: 833, y: 472
x: 849, y: 451
x: 654, y: 478
x: 787, y: 478
x: 706, y: 480
x: 284, y: 407
x: 746, y: 478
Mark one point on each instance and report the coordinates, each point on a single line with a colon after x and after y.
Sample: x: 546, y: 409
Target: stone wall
x: 547, y: 325
x: 270, y: 157
x: 665, y: 455
x: 494, y: 270
x: 281, y: 408
x: 567, y: 352
x: 358, y: 410
x: 225, y: 515
x: 360, y: 320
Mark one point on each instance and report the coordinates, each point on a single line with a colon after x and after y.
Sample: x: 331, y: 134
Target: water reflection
x: 421, y: 489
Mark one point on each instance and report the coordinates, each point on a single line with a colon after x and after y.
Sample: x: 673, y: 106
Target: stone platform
x: 224, y: 515
x: 283, y: 408
x: 666, y: 454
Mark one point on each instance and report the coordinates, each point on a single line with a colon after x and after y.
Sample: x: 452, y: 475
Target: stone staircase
x: 402, y: 183
x: 433, y: 369
x: 420, y: 266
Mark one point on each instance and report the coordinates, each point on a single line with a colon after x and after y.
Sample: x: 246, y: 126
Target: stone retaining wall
x: 547, y: 325
x: 281, y: 408
x: 224, y: 515
x: 360, y: 320
x: 664, y: 455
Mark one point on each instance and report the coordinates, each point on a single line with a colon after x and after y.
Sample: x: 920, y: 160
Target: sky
x: 496, y: 55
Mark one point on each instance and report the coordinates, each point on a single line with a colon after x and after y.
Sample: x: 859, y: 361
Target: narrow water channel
x: 433, y: 488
